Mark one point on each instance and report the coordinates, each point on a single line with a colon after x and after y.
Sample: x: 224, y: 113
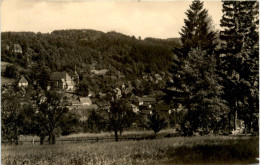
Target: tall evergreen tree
x: 239, y: 58
x: 197, y: 31
x: 195, y: 82
x: 201, y: 93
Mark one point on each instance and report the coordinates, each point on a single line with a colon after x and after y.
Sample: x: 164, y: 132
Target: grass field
x: 128, y: 133
x: 176, y: 150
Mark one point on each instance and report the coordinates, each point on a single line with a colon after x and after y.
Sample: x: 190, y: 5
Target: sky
x: 158, y: 19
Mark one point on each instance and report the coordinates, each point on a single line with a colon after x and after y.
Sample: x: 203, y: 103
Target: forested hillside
x: 63, y: 50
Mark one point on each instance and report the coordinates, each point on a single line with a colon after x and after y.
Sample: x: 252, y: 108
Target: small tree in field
x: 156, y: 122
x: 51, y: 109
x: 119, y: 115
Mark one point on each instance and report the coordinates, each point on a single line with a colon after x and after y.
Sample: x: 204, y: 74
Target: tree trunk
x: 53, y: 139
x: 49, y: 139
x: 42, y: 137
x: 235, y: 120
x: 235, y: 117
x: 155, y: 133
x: 116, y: 136
x: 250, y: 123
x: 229, y: 122
x: 16, y: 135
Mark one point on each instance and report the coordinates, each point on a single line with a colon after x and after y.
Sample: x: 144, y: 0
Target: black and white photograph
x: 129, y: 82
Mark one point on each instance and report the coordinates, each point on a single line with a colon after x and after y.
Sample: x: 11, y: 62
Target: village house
x: 85, y: 101
x: 118, y: 93
x: 158, y: 77
x: 17, y: 48
x: 75, y: 102
x: 146, y: 101
x: 99, y: 72
x: 23, y: 82
x: 62, y: 81
x: 134, y: 108
x: 91, y: 94
x: 145, y: 104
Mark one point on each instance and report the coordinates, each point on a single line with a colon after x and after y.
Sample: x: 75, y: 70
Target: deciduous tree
x: 119, y: 114
x: 51, y: 109
x: 156, y: 122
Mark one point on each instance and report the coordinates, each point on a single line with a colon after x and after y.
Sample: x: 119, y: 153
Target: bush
x: 11, y: 71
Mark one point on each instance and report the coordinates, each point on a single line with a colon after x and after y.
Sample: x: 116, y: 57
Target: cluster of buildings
x: 58, y: 81
x: 62, y: 81
x: 81, y: 105
x: 146, y: 104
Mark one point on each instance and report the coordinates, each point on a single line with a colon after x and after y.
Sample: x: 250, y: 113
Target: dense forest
x: 65, y: 49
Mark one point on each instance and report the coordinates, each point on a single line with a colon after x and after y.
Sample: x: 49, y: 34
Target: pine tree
x: 202, y: 91
x: 197, y: 31
x: 195, y: 82
x: 239, y: 57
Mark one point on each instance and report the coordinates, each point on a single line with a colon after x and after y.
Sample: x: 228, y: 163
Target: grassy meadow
x: 175, y: 150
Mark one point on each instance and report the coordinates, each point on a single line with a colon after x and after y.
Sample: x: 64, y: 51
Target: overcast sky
x: 146, y: 19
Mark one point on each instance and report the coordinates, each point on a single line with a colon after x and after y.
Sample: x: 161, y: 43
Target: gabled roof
x: 148, y: 99
x: 56, y: 76
x: 23, y: 80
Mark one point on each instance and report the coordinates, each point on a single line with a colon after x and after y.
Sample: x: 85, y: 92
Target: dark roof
x: 163, y: 107
x: 56, y: 76
x: 23, y: 80
x: 148, y: 99
x: 146, y: 112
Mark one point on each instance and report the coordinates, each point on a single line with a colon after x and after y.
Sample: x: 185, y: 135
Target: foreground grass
x: 159, y: 151
x: 143, y: 133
